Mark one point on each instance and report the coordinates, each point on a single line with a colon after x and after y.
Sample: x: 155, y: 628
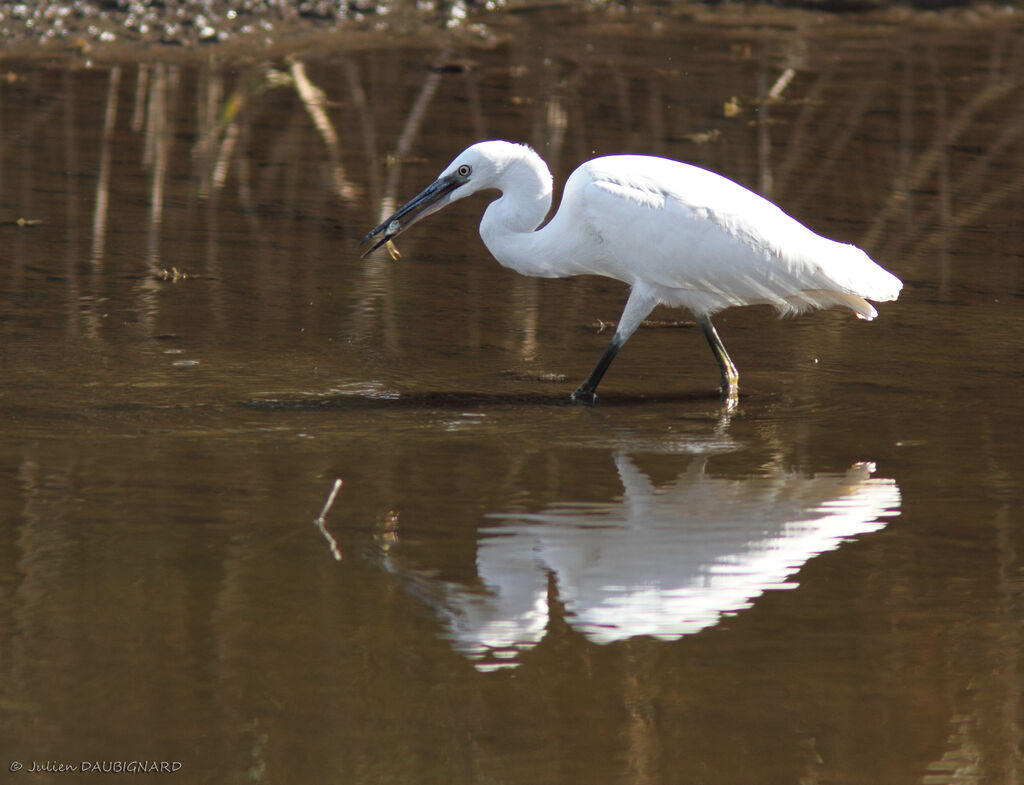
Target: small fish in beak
x: 428, y: 201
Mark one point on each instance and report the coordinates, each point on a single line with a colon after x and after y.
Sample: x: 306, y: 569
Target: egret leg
x: 730, y: 385
x: 585, y: 393
x: 640, y: 303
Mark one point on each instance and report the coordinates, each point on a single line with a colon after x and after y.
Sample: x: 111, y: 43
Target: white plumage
x: 678, y: 235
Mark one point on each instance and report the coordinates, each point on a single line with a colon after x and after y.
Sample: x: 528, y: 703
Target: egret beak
x: 429, y: 201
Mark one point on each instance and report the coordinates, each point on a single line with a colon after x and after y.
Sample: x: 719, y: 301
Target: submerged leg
x: 730, y: 386
x: 639, y: 304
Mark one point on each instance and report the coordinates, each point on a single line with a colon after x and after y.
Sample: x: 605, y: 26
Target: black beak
x: 430, y: 200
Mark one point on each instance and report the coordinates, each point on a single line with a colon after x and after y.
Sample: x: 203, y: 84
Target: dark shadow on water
x: 463, y: 400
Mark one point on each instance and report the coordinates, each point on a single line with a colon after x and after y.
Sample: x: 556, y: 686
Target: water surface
x: 822, y: 586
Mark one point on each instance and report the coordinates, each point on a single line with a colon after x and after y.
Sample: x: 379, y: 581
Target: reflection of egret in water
x: 662, y: 562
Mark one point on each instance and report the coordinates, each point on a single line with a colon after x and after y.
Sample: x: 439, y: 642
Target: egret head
x: 478, y: 167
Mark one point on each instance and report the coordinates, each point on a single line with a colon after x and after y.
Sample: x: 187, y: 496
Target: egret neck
x: 509, y: 224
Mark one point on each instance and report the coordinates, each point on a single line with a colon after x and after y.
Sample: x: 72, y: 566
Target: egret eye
x: 464, y: 170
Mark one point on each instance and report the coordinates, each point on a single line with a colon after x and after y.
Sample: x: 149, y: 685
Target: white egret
x: 677, y: 234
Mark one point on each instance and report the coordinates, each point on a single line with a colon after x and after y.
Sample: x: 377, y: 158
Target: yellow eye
x: 463, y: 171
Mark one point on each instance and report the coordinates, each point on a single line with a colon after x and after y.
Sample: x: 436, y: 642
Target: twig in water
x: 321, y: 524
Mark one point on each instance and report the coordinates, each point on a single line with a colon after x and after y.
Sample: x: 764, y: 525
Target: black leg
x: 730, y: 385
x: 585, y: 393
x: 640, y: 303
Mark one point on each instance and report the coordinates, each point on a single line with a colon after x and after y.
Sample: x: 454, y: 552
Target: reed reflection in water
x: 327, y: 138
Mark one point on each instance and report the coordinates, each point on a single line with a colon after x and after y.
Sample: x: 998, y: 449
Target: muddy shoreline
x: 128, y: 29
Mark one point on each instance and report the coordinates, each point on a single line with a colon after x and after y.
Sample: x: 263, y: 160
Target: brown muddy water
x: 822, y: 586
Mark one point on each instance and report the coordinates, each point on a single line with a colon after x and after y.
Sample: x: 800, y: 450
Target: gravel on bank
x: 86, y: 26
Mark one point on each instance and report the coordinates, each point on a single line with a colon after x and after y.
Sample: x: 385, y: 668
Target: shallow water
x: 822, y: 586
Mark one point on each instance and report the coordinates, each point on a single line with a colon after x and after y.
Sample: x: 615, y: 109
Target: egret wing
x: 711, y: 243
